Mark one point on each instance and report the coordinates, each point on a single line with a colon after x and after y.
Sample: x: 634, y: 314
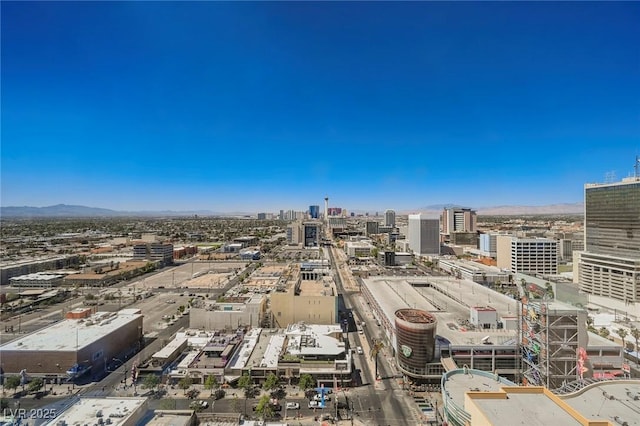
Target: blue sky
x: 262, y: 106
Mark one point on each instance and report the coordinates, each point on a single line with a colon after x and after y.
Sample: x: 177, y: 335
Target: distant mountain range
x: 63, y: 210
x: 563, y: 208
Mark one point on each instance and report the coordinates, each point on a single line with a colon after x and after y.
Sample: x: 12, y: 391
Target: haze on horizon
x: 243, y: 106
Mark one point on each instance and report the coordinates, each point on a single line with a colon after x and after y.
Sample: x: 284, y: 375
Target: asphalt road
x: 374, y: 406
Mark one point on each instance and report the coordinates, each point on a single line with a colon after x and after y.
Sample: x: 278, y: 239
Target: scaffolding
x: 551, y: 334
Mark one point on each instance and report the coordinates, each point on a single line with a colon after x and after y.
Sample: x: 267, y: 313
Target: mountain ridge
x: 65, y: 210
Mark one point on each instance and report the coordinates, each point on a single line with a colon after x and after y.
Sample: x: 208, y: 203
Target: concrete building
x: 29, y: 266
x: 474, y: 271
x: 458, y: 219
x: 390, y: 218
x: 299, y: 348
x: 488, y: 244
x: 228, y: 313
x: 529, y: 256
x: 457, y: 341
x: 609, y: 267
x: 311, y: 234
x: 314, y: 301
x: 371, y: 227
x: 416, y: 339
x: 37, y: 279
x: 358, y: 248
x: 153, y: 251
x: 423, y: 235
x: 129, y: 411
x: 473, y: 397
x: 84, y: 340
x: 294, y: 233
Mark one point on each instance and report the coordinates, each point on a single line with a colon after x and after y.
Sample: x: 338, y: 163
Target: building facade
x: 609, y: 268
x: 314, y: 212
x: 458, y: 219
x: 423, y: 235
x: 532, y: 256
x: 390, y: 218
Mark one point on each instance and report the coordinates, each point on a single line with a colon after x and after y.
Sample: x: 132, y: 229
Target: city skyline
x: 261, y: 106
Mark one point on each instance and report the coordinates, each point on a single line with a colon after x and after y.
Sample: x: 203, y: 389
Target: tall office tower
x: 458, y: 219
x: 390, y: 218
x: 326, y: 208
x: 423, y: 234
x: 371, y: 228
x: 609, y: 268
x: 314, y: 212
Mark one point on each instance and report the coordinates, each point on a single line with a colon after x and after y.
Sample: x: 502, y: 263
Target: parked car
x: 293, y: 406
x: 318, y: 397
x: 359, y: 350
x: 314, y: 404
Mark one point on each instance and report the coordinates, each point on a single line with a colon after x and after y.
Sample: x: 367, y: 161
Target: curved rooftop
x: 416, y: 316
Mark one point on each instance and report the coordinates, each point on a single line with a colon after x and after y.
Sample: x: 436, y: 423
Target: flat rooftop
x: 120, y: 411
x: 457, y: 385
x: 73, y: 334
x: 317, y: 288
x: 528, y: 409
x: 449, y: 301
x: 606, y: 400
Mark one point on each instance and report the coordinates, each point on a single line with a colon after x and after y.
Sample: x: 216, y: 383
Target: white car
x: 293, y: 406
x: 359, y: 350
x: 318, y: 397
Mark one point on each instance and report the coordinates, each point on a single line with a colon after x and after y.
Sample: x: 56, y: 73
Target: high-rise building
x: 458, y: 219
x: 371, y: 228
x: 423, y: 234
x: 314, y: 212
x: 390, y: 218
x: 609, y: 268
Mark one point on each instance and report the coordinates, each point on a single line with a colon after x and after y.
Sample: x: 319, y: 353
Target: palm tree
x: 622, y: 333
x: 636, y: 335
x: 375, y: 349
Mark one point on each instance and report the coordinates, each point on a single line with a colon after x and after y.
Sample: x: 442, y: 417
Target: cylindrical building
x: 416, y: 339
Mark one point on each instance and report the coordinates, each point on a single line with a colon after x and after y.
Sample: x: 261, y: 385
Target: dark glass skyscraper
x: 314, y: 212
x: 609, y: 268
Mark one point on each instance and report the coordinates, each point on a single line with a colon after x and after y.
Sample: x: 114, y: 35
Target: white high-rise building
x: 423, y: 235
x: 609, y: 266
x: 390, y: 218
x: 533, y: 256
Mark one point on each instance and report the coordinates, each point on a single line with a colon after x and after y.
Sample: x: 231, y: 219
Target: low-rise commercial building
x: 228, y: 313
x: 84, y: 341
x: 37, y: 279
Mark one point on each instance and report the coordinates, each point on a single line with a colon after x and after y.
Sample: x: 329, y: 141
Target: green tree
x: 35, y: 385
x: 271, y: 382
x: 12, y: 382
x: 150, y: 381
x: 622, y: 333
x: 264, y: 407
x: 211, y: 383
x: 306, y: 381
x: 181, y: 309
x: 603, y: 332
x: 635, y: 333
x: 244, y: 383
x: 185, y: 383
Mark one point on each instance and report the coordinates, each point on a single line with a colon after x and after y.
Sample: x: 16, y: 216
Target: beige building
x: 311, y: 301
x: 228, y: 313
x: 503, y: 251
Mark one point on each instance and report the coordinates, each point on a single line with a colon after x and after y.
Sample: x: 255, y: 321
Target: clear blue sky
x: 261, y: 106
